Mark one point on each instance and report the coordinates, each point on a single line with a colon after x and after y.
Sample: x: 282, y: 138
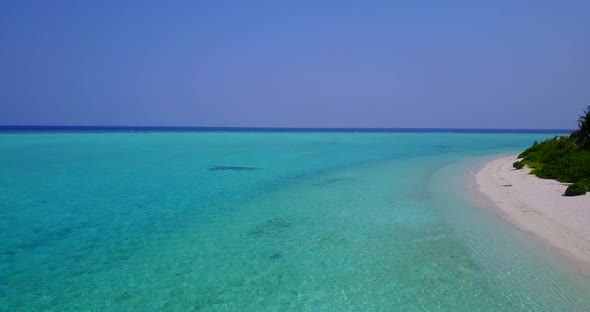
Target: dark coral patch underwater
x: 232, y: 168
x: 271, y: 227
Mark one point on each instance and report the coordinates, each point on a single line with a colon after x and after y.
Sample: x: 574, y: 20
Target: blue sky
x: 461, y: 64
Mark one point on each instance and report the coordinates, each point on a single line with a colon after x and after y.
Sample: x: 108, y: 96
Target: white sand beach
x: 538, y: 206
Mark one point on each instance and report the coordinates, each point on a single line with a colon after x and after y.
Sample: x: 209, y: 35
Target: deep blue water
x: 16, y: 129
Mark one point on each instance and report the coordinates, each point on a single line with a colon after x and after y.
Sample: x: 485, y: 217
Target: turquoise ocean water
x: 245, y: 221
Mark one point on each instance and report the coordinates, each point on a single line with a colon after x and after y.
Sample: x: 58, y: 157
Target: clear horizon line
x: 98, y: 127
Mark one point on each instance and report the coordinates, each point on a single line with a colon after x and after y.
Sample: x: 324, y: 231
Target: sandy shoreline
x: 537, y: 206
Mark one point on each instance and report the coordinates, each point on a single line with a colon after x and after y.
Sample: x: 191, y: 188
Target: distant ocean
x: 216, y: 219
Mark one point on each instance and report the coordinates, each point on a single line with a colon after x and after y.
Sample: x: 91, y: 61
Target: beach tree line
x: 566, y: 159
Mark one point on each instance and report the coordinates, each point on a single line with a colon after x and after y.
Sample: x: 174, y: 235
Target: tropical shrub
x: 575, y: 190
x: 566, y: 159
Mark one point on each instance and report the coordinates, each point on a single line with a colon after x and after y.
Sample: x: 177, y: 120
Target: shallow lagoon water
x: 205, y: 221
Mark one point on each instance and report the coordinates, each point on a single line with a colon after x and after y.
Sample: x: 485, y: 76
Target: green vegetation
x: 582, y: 135
x: 566, y: 159
x: 575, y: 189
x: 518, y: 165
